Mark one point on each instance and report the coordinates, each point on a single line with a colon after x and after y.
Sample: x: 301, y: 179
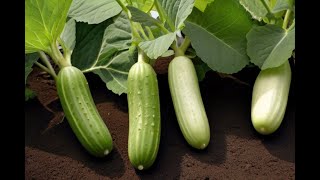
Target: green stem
x: 186, y: 43
x: 66, y: 51
x: 286, y: 19
x: 58, y: 57
x: 165, y: 30
x: 160, y: 11
x: 46, y: 70
x: 265, y: 3
x: 150, y: 33
x: 46, y: 61
x: 140, y: 29
x: 124, y: 7
x: 177, y: 50
x: 142, y: 57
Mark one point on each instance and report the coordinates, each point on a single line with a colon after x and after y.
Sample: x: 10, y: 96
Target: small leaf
x: 219, y: 35
x: 142, y: 17
x: 176, y: 12
x: 28, y: 94
x: 44, y: 22
x: 93, y: 11
x: 157, y: 47
x: 202, y: 4
x: 29, y: 61
x: 270, y: 46
x: 69, y: 34
x: 255, y: 7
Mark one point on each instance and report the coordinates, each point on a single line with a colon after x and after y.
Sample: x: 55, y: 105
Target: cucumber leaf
x: 219, y: 35
x: 98, y: 50
x: 44, y: 22
x: 155, y: 48
x: 93, y: 11
x: 255, y: 7
x: 270, y: 46
x: 29, y: 61
x: 69, y: 34
x: 28, y: 94
x: 176, y: 12
x: 202, y: 4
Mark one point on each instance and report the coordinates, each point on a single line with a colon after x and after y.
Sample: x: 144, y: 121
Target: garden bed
x: 235, y: 151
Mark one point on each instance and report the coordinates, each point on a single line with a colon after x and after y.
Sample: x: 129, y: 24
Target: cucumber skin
x: 144, y: 115
x: 81, y: 112
x: 269, y: 98
x: 187, y: 101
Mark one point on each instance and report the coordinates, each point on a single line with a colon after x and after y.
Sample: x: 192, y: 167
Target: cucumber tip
x: 106, y: 152
x: 140, y: 167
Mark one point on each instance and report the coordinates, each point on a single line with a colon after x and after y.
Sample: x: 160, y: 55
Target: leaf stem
x: 124, y: 8
x: 160, y: 11
x: 66, y: 51
x: 58, y: 57
x: 46, y: 70
x: 177, y: 50
x: 185, y: 44
x: 142, y: 57
x: 286, y: 19
x: 266, y: 5
x: 46, y: 61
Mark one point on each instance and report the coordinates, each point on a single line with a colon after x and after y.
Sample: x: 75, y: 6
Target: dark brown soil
x: 235, y: 151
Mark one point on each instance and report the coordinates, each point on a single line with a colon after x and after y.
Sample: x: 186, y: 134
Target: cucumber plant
x: 121, y: 40
x: 45, y: 22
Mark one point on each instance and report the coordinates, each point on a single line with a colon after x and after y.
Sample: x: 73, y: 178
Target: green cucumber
x: 144, y: 115
x: 81, y: 112
x: 269, y: 98
x: 187, y: 102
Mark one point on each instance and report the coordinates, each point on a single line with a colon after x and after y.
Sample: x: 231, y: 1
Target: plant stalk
x: 286, y: 19
x: 46, y: 61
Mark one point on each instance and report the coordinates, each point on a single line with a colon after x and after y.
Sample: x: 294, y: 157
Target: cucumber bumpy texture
x: 144, y: 115
x: 81, y: 112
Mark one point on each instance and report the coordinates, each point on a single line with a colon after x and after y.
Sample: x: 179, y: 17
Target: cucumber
x: 81, y: 112
x: 144, y: 115
x: 269, y: 98
x: 187, y: 102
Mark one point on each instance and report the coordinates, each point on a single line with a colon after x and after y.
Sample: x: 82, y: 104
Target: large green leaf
x: 270, y: 46
x: 219, y: 35
x: 95, y: 52
x: 30, y: 59
x: 255, y: 7
x: 69, y: 34
x: 93, y: 11
x: 176, y: 12
x: 118, y: 34
x: 157, y: 47
x: 44, y: 22
x: 143, y: 5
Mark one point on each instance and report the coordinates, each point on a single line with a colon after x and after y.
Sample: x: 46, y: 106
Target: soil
x: 235, y: 151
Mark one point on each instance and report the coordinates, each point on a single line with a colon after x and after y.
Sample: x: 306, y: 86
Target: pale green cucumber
x: 144, y: 115
x: 270, y: 97
x: 187, y: 101
x: 81, y: 112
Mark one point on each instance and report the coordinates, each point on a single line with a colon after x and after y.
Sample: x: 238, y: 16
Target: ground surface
x: 235, y: 151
